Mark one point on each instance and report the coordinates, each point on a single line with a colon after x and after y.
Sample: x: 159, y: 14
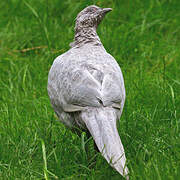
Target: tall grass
x: 143, y: 36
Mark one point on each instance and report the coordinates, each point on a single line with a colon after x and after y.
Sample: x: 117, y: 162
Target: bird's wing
x: 84, y: 89
x: 112, y: 89
x: 72, y: 87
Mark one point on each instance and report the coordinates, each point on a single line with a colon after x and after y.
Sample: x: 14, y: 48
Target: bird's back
x: 85, y: 77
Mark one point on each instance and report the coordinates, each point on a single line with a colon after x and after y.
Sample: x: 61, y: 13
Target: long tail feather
x: 101, y: 122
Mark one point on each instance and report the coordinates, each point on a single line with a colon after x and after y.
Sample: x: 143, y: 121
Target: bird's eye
x: 93, y: 10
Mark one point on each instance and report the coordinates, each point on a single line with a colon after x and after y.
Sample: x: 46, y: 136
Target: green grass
x: 143, y: 36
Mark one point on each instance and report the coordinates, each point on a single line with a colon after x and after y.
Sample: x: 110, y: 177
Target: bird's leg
x: 92, y: 158
x: 77, y: 131
x: 95, y: 147
x: 87, y: 144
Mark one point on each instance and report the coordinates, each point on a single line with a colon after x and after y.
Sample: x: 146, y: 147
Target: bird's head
x: 90, y: 17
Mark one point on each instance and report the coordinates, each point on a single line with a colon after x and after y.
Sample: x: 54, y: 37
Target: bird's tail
x: 101, y: 122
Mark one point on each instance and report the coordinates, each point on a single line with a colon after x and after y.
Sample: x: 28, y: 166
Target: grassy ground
x: 144, y: 37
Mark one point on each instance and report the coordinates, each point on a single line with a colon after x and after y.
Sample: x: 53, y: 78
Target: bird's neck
x: 86, y: 35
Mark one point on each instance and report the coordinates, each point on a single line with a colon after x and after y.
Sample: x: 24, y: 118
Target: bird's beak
x: 106, y: 10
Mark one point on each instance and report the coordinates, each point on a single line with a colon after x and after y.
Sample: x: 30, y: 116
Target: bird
x: 86, y: 88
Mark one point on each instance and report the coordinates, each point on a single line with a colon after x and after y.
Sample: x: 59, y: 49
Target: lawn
x: 143, y: 36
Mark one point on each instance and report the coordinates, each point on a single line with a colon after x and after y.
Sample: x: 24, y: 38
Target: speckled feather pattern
x: 88, y: 80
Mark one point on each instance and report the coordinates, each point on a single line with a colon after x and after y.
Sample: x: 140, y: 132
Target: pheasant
x: 86, y: 88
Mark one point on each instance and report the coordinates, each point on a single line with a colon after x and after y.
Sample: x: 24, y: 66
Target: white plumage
x: 88, y: 80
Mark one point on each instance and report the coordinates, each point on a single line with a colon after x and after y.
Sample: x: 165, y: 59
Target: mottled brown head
x: 90, y: 17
